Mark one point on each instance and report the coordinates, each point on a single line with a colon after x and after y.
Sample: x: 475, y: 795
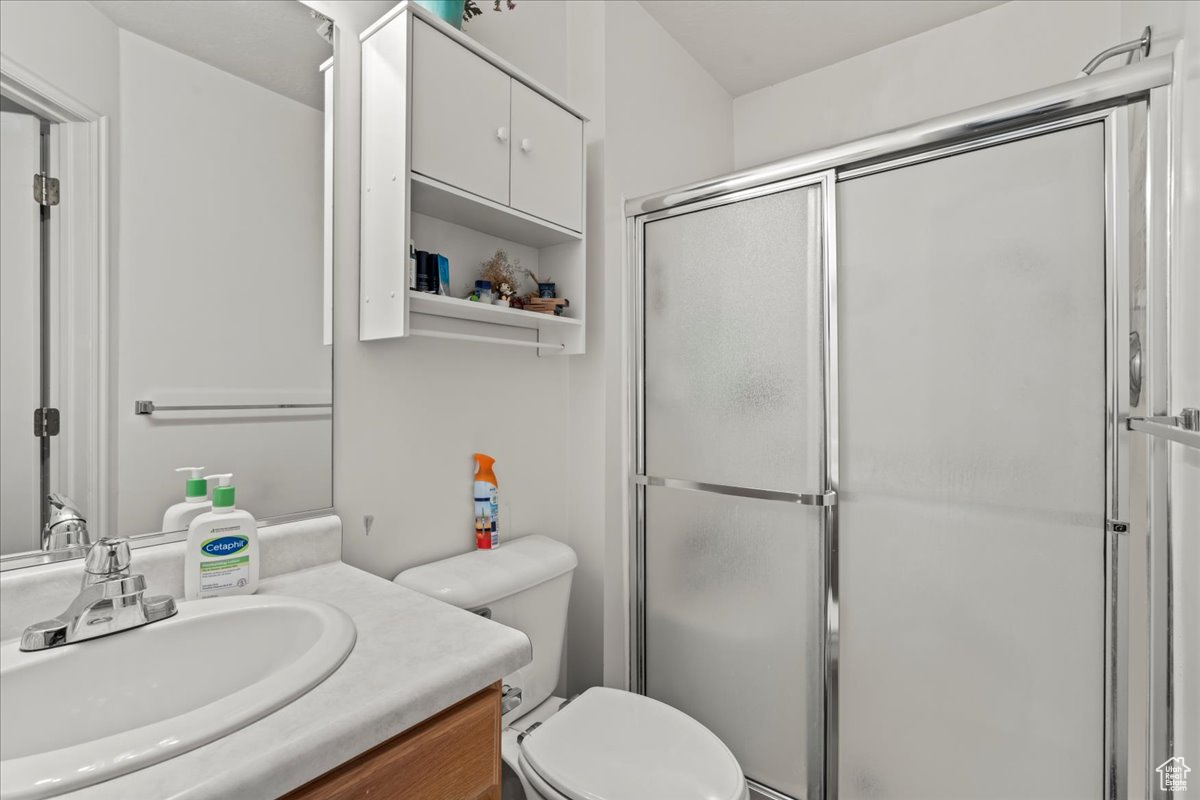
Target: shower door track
x: 1101, y: 98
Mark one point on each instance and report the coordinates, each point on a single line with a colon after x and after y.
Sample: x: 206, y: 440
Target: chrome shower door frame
x: 1102, y: 98
x: 823, y: 498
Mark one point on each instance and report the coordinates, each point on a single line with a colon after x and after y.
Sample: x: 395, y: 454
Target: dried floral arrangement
x: 472, y: 9
x: 503, y: 273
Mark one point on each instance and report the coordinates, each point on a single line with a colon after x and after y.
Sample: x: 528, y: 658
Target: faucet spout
x: 111, y: 599
x: 66, y: 529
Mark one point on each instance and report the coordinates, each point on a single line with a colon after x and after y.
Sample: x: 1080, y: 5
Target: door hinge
x: 45, y: 189
x: 45, y: 422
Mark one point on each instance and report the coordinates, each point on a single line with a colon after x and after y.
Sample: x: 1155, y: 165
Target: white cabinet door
x: 460, y: 127
x: 547, y: 159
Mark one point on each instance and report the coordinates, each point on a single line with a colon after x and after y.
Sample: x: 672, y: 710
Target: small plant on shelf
x: 505, y: 275
x: 472, y: 9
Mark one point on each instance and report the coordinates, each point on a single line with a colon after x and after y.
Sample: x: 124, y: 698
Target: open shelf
x: 436, y: 199
x: 455, y: 308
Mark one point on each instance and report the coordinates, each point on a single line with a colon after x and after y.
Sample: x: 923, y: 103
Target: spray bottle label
x: 487, y: 516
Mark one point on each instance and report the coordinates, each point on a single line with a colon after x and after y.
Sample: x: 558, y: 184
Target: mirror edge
x: 37, y: 558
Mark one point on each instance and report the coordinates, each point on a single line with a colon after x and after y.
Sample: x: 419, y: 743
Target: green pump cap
x: 223, y: 492
x: 196, y: 487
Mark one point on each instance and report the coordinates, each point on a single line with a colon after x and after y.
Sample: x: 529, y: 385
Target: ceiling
x: 274, y: 45
x: 749, y: 44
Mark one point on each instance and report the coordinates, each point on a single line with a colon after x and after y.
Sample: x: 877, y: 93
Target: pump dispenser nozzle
x: 196, y: 487
x: 223, y: 492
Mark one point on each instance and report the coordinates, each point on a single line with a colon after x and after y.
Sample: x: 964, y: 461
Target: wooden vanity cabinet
x: 455, y: 754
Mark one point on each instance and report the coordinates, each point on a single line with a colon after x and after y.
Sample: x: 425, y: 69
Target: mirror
x: 166, y: 281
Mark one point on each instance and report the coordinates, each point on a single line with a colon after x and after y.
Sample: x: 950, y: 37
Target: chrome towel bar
x: 1184, y: 429
x: 468, y: 337
x: 147, y: 407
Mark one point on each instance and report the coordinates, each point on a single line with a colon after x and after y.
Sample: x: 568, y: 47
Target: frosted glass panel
x: 733, y: 322
x: 734, y: 627
x: 971, y: 325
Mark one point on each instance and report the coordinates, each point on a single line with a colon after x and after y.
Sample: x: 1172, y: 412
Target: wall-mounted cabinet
x: 463, y: 154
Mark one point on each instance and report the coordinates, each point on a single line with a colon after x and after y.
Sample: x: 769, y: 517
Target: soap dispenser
x: 222, y: 548
x: 195, y: 502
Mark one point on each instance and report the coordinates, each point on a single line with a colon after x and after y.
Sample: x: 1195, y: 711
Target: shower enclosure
x: 880, y: 478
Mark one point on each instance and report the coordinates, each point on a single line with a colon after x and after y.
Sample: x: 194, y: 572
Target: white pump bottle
x: 195, y: 502
x: 222, y: 548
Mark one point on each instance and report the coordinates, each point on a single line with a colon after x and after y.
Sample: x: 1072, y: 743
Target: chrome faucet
x: 110, y: 599
x: 66, y: 527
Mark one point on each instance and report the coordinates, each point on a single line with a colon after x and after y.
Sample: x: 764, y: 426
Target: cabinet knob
x: 502, y: 134
x: 527, y: 145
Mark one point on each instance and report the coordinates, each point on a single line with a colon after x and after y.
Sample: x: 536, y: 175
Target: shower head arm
x: 1141, y: 43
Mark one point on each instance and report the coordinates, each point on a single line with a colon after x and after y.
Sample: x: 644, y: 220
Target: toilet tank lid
x: 475, y: 579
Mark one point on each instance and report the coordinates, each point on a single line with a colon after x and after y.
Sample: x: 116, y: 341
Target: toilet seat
x: 613, y: 745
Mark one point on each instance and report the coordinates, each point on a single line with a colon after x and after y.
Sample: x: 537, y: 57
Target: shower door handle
x: 827, y: 498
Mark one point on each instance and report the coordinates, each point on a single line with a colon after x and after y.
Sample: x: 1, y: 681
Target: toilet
x: 604, y: 744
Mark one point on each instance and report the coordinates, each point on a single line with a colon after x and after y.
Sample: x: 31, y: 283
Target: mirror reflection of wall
x: 183, y: 264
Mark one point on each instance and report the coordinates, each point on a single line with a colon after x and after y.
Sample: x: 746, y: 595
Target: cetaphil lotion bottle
x: 222, y: 548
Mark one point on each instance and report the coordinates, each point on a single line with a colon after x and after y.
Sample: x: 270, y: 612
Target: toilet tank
x: 524, y: 584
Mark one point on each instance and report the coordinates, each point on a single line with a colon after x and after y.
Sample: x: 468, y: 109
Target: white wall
x: 68, y: 43
x: 218, y: 289
x: 1012, y: 48
x: 409, y: 413
x: 668, y: 122
x: 1186, y: 370
x: 656, y: 119
x: 531, y: 37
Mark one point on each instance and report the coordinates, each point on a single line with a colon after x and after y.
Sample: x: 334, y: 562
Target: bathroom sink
x: 87, y: 712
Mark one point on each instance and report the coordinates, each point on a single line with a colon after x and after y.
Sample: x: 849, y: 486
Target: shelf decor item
x: 452, y: 12
x: 545, y: 287
x: 547, y: 305
x: 502, y: 272
x: 471, y: 9
x: 507, y: 293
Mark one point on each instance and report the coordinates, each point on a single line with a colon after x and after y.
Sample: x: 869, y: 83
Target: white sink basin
x: 87, y: 712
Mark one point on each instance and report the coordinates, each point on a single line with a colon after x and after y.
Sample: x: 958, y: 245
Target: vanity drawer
x: 454, y: 754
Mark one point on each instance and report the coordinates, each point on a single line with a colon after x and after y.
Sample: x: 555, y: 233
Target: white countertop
x: 414, y: 657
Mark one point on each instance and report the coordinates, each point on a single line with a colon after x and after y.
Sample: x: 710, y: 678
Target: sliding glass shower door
x: 733, y: 475
x: 972, y: 494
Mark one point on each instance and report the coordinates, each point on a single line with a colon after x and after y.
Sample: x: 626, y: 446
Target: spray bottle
x: 487, y: 504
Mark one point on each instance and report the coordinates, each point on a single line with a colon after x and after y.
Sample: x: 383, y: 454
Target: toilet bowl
x: 608, y: 744
x: 604, y: 744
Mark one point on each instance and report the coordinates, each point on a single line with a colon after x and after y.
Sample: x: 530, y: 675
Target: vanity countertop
x: 414, y: 656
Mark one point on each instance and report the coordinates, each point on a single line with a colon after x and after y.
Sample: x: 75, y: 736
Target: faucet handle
x: 108, y: 557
